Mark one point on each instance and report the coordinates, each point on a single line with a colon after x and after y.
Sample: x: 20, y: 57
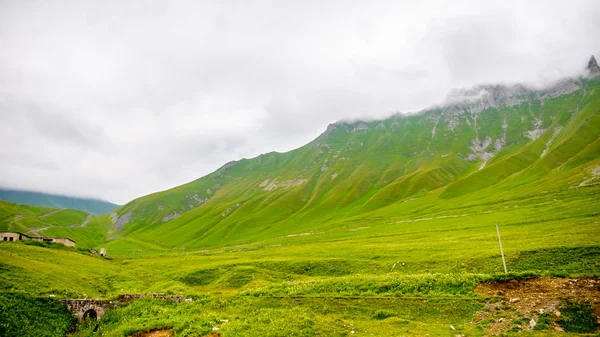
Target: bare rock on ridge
x: 592, y: 67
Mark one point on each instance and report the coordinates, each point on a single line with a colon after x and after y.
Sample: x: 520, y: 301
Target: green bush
x: 544, y: 322
x: 382, y: 314
x: 22, y: 315
x: 577, y: 316
x: 148, y: 314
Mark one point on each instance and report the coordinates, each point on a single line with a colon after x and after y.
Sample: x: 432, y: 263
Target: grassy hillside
x: 92, y: 206
x: 512, y: 144
x: 381, y: 228
x: 382, y: 279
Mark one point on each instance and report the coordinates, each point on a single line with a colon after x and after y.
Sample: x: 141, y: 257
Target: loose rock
x: 532, y: 323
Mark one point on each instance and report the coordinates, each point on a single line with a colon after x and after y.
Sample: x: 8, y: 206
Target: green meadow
x: 401, y: 276
x: 380, y: 228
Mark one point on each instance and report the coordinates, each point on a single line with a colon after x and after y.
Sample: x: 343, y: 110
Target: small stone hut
x: 65, y: 241
x: 13, y: 236
x: 18, y: 236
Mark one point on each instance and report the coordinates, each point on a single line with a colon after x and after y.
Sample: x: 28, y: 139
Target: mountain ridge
x: 90, y: 205
x: 358, y: 167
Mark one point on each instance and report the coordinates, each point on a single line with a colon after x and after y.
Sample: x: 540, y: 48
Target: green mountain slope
x: 375, y: 228
x: 92, y: 206
x: 481, y: 148
x: 86, y: 230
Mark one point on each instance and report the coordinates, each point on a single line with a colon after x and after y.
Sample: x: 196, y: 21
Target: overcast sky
x: 117, y: 99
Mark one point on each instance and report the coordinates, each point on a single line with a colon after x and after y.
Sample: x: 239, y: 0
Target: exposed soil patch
x: 533, y: 303
x: 154, y: 333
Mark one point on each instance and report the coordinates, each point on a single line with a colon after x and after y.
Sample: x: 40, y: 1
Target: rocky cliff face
x: 483, y: 97
x: 592, y: 67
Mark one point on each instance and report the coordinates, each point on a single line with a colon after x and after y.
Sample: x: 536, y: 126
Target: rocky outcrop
x: 131, y: 297
x: 592, y: 68
x: 482, y: 97
x: 228, y: 165
x: 328, y: 133
x: 560, y: 88
x: 171, y: 216
x: 474, y: 100
x: 479, y: 150
x: 361, y: 127
x: 269, y: 185
x: 120, y: 221
x: 537, y: 131
x: 221, y: 171
x: 196, y: 199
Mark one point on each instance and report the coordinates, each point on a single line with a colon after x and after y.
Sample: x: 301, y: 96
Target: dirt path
x: 36, y: 231
x: 84, y: 223
x: 50, y: 212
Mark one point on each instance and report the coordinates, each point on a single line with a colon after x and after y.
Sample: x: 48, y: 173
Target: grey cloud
x: 52, y: 126
x: 475, y: 46
x: 119, y: 99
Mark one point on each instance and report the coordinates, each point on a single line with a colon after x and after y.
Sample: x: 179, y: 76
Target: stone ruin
x: 94, y: 309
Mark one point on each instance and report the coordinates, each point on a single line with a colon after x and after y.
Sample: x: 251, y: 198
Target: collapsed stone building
x: 18, y: 236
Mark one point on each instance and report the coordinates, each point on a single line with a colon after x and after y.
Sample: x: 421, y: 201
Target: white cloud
x: 120, y: 99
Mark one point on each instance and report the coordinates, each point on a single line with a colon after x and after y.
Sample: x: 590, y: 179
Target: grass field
x: 380, y: 232
x: 407, y: 275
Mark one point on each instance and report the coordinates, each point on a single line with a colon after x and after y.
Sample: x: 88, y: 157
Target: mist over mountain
x: 136, y: 108
x: 478, y: 144
x: 92, y: 206
x: 299, y: 168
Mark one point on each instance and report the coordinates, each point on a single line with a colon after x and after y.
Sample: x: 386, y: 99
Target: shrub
x: 577, y: 316
x: 382, y: 314
x: 22, y: 315
x: 544, y: 322
x: 150, y: 314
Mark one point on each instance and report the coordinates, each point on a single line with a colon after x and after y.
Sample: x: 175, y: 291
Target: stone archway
x: 94, y: 309
x: 90, y: 315
x: 88, y: 309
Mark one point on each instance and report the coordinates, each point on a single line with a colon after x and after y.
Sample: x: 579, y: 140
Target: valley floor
x: 343, y: 288
x: 426, y: 270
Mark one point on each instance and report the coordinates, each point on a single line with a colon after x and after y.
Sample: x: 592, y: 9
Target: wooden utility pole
x: 501, y: 251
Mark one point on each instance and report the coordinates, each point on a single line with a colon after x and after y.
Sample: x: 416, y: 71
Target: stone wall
x: 96, y: 308
x: 131, y: 297
x: 64, y: 241
x: 88, y: 308
x: 13, y: 236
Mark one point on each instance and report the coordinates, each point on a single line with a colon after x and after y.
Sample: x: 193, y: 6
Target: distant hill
x: 86, y: 230
x: 93, y: 206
